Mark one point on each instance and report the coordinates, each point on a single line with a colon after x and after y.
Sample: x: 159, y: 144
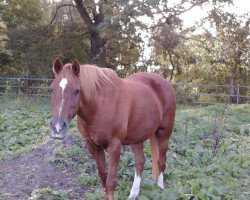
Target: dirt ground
x: 20, y: 176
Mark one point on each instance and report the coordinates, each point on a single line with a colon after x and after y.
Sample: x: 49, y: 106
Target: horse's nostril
x: 50, y: 123
x: 64, y: 124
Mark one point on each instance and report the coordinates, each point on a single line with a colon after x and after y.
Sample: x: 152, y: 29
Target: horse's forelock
x: 66, y: 73
x: 90, y: 77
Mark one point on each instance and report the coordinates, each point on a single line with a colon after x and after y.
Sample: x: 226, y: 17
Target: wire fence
x: 25, y: 86
x: 185, y: 92
x: 212, y: 93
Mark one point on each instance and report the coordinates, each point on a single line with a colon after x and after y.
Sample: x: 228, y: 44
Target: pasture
x: 208, y: 156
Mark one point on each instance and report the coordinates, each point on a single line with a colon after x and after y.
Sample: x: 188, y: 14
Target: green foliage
x: 23, y: 125
x: 49, y: 194
x: 98, y: 195
x: 201, y: 158
x: 34, y: 32
x: 89, y: 180
x: 32, y: 43
x: 24, y: 13
x: 207, y: 159
x: 214, y: 51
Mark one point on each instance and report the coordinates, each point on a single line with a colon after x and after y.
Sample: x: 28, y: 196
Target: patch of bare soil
x: 20, y: 176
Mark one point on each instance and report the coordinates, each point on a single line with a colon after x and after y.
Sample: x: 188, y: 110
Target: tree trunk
x: 173, y: 65
x: 98, y: 48
x: 233, y: 77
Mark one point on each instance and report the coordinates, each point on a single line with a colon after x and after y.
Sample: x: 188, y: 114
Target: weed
x: 208, y: 155
x: 23, y: 125
x: 49, y: 194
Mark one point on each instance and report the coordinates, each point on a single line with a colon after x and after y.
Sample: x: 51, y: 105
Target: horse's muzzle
x: 58, y: 128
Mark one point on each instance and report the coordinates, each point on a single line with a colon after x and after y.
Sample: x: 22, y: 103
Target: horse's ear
x: 57, y: 66
x: 76, y: 67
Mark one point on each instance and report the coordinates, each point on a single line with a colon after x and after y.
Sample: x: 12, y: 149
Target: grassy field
x: 23, y: 125
x: 208, y: 157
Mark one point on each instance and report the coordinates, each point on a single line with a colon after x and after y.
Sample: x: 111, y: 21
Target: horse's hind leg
x: 139, y: 165
x: 163, y: 135
x: 163, y: 147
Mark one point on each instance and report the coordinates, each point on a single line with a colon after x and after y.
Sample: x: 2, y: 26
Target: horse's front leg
x: 97, y: 153
x: 114, y: 150
x: 99, y: 156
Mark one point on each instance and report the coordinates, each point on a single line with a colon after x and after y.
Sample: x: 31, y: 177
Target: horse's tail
x: 155, y: 157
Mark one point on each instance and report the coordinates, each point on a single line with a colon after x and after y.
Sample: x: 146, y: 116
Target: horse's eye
x: 51, y: 90
x: 76, y: 92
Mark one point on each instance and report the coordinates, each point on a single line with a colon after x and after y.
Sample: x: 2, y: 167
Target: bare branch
x: 71, y: 17
x: 2, y: 29
x: 84, y: 14
x: 198, y: 3
x: 58, y: 8
x: 172, y: 63
x: 85, y: 34
x: 175, y: 13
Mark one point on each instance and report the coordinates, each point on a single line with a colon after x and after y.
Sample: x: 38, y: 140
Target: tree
x: 109, y: 20
x: 23, y: 30
x: 218, y: 55
x: 108, y: 33
x: 33, y: 44
x: 234, y: 46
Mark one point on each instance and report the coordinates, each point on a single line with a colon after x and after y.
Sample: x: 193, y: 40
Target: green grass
x: 208, y: 155
x: 47, y: 193
x: 208, y: 158
x: 23, y: 125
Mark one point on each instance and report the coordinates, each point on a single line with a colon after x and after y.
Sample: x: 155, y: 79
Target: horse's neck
x: 88, y: 108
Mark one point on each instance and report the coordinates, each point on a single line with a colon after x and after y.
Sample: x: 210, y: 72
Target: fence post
x: 19, y: 86
x: 238, y: 93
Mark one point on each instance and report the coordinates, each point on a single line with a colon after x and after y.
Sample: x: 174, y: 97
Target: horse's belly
x: 145, y: 122
x: 140, y: 132
x: 137, y: 137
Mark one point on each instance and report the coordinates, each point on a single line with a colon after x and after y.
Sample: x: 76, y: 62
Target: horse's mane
x: 92, y: 76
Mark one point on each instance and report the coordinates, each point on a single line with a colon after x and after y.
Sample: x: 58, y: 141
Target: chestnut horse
x: 112, y: 112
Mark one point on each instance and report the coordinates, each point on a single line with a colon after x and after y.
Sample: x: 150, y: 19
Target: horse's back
x: 158, y: 85
x: 150, y: 79
x: 162, y: 89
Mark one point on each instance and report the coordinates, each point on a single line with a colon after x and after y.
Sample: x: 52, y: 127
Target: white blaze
x: 134, y: 192
x: 58, y: 127
x: 62, y: 84
x: 160, y: 181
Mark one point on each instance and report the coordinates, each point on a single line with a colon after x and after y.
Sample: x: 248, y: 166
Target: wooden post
x: 19, y: 86
x: 238, y: 93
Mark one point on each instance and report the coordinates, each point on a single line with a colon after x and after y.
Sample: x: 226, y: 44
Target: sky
x: 196, y: 13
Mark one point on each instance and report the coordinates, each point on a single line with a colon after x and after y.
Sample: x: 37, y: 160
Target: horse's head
x: 65, y: 90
